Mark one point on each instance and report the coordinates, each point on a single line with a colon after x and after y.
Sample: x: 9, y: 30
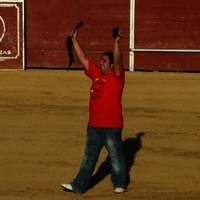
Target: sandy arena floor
x: 42, y: 136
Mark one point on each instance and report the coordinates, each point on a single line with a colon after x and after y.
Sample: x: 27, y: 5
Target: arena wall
x: 49, y: 22
x: 158, y: 34
x: 167, y: 35
x: 12, y: 35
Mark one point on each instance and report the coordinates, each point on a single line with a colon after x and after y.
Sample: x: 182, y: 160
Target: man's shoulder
x: 93, y: 70
x: 120, y: 75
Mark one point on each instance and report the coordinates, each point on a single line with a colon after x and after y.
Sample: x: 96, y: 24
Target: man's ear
x: 111, y: 66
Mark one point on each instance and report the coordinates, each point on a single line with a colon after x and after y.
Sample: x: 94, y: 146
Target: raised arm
x: 79, y: 51
x: 117, y: 55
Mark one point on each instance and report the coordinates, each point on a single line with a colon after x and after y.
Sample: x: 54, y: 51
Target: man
x: 105, y: 120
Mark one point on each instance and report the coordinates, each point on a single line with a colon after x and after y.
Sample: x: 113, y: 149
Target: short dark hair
x: 110, y: 56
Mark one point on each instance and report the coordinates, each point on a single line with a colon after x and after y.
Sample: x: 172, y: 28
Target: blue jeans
x: 97, y: 138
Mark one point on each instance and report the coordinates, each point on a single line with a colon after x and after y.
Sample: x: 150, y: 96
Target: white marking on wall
x: 23, y: 31
x: 167, y: 50
x: 132, y: 32
x: 4, y: 28
x: 18, y: 34
x: 7, y: 1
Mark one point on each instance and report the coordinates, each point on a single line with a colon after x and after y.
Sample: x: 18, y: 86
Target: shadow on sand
x: 131, y: 146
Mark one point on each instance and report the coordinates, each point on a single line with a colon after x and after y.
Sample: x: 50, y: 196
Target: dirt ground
x: 43, y: 120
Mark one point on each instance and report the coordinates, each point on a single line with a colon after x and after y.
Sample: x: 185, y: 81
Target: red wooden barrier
x: 11, y: 35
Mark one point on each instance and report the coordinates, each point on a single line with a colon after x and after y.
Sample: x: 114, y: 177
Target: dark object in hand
x: 69, y: 46
x: 115, y: 32
x: 78, y: 26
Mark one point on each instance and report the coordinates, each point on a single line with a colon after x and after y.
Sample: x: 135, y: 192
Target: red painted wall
x: 171, y: 24
x: 49, y: 22
x: 159, y: 24
x: 11, y: 35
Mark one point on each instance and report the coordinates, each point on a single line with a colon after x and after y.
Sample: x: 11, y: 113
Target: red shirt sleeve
x: 93, y: 71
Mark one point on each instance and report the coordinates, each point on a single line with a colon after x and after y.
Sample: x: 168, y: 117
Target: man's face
x: 105, y: 65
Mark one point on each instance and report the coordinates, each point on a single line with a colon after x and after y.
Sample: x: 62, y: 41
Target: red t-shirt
x: 105, y: 98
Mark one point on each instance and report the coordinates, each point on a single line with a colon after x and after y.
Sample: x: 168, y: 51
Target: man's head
x: 106, y: 62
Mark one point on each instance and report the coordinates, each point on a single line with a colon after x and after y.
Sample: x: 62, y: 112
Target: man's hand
x: 116, y: 33
x: 75, y: 31
x: 74, y: 34
x: 120, y: 34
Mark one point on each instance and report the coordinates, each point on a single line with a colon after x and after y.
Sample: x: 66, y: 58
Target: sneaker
x: 119, y: 190
x: 67, y: 186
